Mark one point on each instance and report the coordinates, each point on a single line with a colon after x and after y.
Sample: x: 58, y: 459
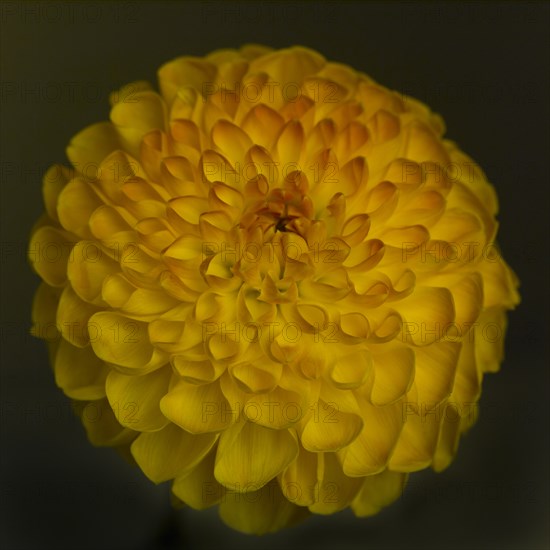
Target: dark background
x: 484, y: 67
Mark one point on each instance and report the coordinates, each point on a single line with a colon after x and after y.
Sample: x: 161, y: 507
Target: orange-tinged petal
x: 263, y: 125
x: 289, y: 145
x: 232, y: 141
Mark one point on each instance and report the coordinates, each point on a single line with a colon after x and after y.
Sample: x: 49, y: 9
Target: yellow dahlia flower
x: 274, y: 282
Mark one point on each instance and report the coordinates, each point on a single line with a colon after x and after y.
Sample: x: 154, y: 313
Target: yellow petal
x: 260, y: 512
x: 277, y: 409
x: 449, y: 434
x: 127, y: 91
x: 249, y: 455
x: 416, y: 446
x: 75, y: 205
x: 53, y: 182
x: 423, y: 208
x: 351, y: 370
x: 394, y: 371
x: 252, y: 50
x: 289, y: 145
x: 351, y: 138
x: 136, y: 116
x: 257, y: 378
x: 377, y: 492
x: 148, y: 304
x: 489, y: 339
x: 289, y: 65
x: 116, y: 290
x: 330, y: 429
x: 374, y: 97
x: 105, y: 221
x: 499, y: 281
x: 198, y: 409
x: 299, y: 482
x: 423, y: 145
x: 198, y: 487
x: 170, y: 452
x: 79, y: 372
x: 355, y: 324
x: 467, y: 382
x: 436, y: 366
x: 89, y: 266
x: 232, y: 142
x: 123, y: 342
x: 468, y: 299
x: 186, y: 132
x: 114, y: 170
x: 427, y: 313
x: 90, y: 146
x: 185, y: 71
x: 370, y: 452
x: 197, y: 369
x: 470, y: 174
x: 383, y: 126
x: 356, y: 229
x: 72, y: 319
x: 135, y: 399
x: 101, y: 424
x: 263, y: 125
x: 50, y: 250
x: 335, y: 490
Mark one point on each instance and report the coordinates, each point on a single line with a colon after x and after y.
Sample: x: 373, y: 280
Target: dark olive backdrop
x: 483, y: 66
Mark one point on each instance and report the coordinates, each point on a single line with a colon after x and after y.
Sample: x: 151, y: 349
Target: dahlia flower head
x: 273, y: 284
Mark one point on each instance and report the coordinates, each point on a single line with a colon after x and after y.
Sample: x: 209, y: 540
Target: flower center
x: 285, y: 206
